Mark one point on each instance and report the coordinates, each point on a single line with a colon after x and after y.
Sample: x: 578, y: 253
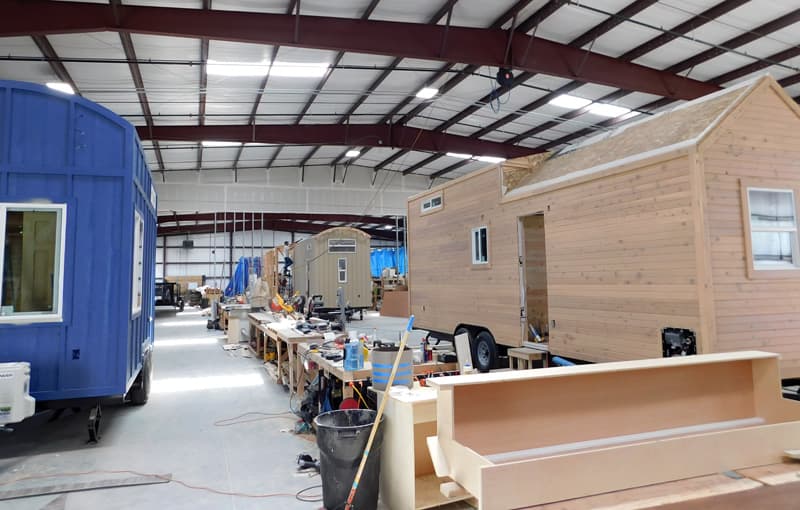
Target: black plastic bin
x: 342, y: 437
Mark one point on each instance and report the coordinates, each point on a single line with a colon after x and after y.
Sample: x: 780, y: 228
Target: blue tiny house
x: 78, y: 224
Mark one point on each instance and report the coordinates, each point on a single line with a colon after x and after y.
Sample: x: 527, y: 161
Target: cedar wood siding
x: 758, y: 145
x: 621, y: 261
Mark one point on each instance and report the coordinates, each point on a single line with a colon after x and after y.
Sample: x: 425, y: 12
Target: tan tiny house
x: 337, y: 257
x: 687, y: 220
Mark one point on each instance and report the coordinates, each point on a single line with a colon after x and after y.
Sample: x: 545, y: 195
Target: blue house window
x: 33, y: 262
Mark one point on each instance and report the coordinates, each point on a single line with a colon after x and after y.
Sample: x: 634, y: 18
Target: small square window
x: 431, y: 204
x: 32, y: 261
x: 480, y: 245
x: 773, y: 228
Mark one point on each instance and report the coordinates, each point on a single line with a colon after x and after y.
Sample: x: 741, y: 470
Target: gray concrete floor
x: 196, y: 384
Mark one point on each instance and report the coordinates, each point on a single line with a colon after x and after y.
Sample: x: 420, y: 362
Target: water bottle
x: 353, y: 356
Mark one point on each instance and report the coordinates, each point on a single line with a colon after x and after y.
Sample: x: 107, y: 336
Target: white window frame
x: 475, y: 244
x: 137, y: 266
x: 752, y: 229
x: 58, y: 293
x: 427, y: 205
x: 339, y: 270
x: 344, y: 245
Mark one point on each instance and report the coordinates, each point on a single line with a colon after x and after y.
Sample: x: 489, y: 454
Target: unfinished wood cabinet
x: 514, y: 439
x: 408, y: 481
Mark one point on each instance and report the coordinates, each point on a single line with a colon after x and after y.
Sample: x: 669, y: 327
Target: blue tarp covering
x: 381, y: 258
x: 240, y: 280
x: 238, y: 283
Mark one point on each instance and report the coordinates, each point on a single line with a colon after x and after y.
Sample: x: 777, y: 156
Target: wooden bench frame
x: 515, y: 439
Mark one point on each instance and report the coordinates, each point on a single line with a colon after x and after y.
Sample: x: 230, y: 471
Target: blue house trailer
x: 78, y: 226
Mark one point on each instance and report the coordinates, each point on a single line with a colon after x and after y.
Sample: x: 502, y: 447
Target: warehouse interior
x: 399, y: 254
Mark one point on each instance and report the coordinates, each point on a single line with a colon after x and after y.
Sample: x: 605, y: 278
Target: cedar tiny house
x: 78, y: 221
x: 685, y: 220
x: 336, y: 257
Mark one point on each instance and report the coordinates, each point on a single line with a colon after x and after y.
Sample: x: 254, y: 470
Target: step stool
x: 520, y: 358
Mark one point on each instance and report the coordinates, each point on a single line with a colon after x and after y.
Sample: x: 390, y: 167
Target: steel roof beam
x: 540, y: 15
x: 587, y: 37
x: 244, y: 224
x: 477, y: 46
x: 343, y: 218
x: 58, y: 67
x: 371, y: 135
x: 706, y: 16
x: 136, y: 74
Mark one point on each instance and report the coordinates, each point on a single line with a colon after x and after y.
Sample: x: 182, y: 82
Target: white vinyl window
x: 32, y: 262
x: 342, y: 266
x: 138, y: 264
x: 773, y: 228
x: 480, y: 245
x: 431, y: 203
x: 341, y: 245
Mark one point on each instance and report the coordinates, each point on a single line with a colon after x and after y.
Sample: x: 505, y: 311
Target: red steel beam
x: 229, y: 216
x: 369, y: 135
x: 245, y: 224
x: 477, y: 46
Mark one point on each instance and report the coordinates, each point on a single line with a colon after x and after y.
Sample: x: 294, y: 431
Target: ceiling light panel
x: 427, y: 92
x: 61, y: 87
x: 608, y: 110
x: 569, y: 101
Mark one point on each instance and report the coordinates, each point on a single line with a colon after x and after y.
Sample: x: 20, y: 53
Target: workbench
x: 226, y: 310
x: 286, y: 339
x: 258, y: 336
x: 336, y: 369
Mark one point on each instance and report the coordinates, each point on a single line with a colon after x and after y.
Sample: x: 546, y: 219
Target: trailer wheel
x: 140, y: 390
x: 484, y: 352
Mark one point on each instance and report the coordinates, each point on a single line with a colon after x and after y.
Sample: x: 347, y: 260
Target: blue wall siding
x: 65, y: 149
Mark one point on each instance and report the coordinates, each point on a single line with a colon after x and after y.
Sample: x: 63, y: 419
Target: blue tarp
x: 381, y: 258
x: 238, y: 283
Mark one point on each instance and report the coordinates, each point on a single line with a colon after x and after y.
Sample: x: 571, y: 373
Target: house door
x: 533, y: 277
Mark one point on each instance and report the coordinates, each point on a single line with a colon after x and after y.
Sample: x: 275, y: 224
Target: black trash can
x: 341, y: 437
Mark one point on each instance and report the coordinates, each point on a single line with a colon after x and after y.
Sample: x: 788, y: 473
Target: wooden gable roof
x: 683, y: 126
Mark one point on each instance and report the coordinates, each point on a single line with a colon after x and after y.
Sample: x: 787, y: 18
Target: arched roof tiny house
x: 78, y: 222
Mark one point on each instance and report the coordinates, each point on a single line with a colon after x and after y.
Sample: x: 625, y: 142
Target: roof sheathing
x: 668, y: 131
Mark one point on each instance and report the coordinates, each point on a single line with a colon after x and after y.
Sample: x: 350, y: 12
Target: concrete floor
x: 196, y: 384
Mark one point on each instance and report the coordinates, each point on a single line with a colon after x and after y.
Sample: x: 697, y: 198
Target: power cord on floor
x: 161, y: 477
x: 314, y: 498
x: 236, y: 420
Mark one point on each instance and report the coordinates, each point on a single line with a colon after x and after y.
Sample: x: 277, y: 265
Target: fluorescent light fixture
x: 490, y: 159
x: 299, y: 69
x: 427, y: 92
x: 629, y: 115
x: 388, y: 227
x: 216, y: 68
x: 61, y: 87
x: 608, y: 110
x: 459, y: 155
x: 568, y: 101
x: 211, y: 143
x: 352, y: 154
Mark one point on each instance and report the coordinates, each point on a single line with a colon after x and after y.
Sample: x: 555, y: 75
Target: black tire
x: 484, y: 352
x: 140, y: 390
